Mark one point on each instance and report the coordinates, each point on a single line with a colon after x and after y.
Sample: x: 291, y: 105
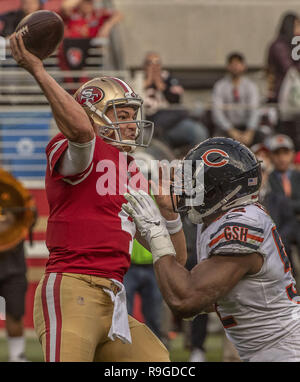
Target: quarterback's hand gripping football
x: 22, y: 56
x: 145, y: 213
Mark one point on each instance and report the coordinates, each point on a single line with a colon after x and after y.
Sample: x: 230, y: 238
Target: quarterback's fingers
x: 147, y: 200
x: 164, y: 179
x: 133, y: 202
x: 160, y: 177
x: 129, y: 210
x: 14, y: 47
x: 18, y: 43
x: 21, y: 43
x: 141, y: 197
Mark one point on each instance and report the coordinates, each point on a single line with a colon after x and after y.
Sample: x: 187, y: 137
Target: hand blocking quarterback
x: 146, y: 215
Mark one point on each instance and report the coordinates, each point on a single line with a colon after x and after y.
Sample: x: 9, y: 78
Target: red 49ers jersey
x: 87, y: 230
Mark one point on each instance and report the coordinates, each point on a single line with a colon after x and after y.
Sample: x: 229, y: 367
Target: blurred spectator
x: 83, y: 22
x: 280, y: 54
x: 262, y: 153
x: 10, y: 20
x: 279, y: 208
x: 284, y: 78
x: 284, y: 179
x: 163, y: 105
x: 161, y: 89
x: 236, y: 102
x: 297, y: 161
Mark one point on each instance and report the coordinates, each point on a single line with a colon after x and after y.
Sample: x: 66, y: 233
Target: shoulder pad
x: 238, y: 231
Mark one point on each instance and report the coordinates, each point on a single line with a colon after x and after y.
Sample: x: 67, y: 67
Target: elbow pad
x: 77, y: 158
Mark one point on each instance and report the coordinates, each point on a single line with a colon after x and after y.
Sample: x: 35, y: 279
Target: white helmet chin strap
x: 127, y: 143
x: 245, y: 200
x: 196, y: 218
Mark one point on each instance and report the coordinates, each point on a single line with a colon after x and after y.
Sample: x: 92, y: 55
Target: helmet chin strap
x: 248, y: 199
x: 124, y: 144
x: 195, y: 215
x: 196, y: 218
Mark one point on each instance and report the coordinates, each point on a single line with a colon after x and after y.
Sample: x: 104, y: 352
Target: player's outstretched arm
x: 70, y: 117
x: 186, y: 292
x: 189, y: 293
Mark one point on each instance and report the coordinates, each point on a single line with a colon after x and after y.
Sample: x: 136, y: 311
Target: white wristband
x: 174, y: 226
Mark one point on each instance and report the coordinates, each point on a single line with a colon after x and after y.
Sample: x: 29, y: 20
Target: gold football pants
x: 72, y: 318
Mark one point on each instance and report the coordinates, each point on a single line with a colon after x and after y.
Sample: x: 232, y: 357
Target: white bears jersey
x: 261, y: 314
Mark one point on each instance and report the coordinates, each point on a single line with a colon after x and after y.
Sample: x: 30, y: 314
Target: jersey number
x: 290, y: 289
x: 280, y: 248
x: 229, y: 321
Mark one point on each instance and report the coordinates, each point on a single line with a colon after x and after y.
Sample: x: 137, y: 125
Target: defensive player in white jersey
x: 243, y: 270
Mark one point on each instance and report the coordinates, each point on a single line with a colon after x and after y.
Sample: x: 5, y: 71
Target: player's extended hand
x: 161, y: 192
x: 23, y: 57
x: 145, y: 213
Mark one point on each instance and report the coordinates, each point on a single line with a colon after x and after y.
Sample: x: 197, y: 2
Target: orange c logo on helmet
x: 222, y: 160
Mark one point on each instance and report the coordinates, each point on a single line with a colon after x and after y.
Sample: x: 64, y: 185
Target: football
x: 42, y: 32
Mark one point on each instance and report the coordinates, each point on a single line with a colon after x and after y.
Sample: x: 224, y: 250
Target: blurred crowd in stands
x: 269, y: 125
x: 85, y: 26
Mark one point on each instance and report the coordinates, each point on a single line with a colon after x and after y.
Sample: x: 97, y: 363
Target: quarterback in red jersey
x: 80, y: 309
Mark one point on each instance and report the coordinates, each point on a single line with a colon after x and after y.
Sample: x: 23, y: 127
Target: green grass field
x: 213, y: 347
x: 178, y: 353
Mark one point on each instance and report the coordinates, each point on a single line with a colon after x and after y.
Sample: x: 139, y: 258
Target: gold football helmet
x: 98, y: 95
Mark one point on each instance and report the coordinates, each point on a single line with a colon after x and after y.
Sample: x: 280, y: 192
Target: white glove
x: 146, y: 215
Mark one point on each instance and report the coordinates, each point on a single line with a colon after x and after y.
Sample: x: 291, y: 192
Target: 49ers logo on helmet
x: 91, y: 94
x: 215, y: 160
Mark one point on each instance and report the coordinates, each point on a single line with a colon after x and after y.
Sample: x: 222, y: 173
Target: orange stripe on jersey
x: 214, y: 241
x: 249, y: 236
x: 257, y: 238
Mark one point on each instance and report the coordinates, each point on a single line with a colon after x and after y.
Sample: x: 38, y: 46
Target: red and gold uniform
x: 85, y: 232
x: 89, y: 239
